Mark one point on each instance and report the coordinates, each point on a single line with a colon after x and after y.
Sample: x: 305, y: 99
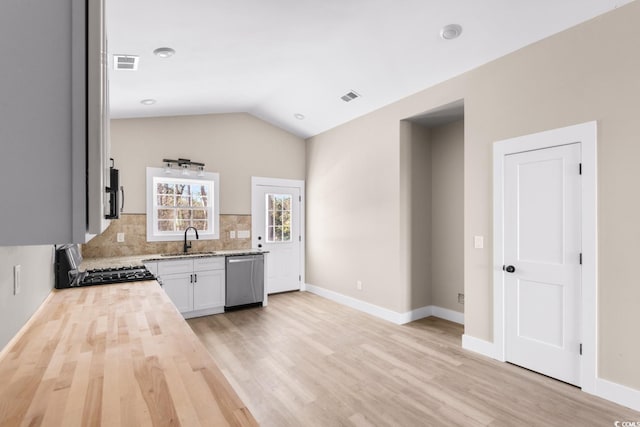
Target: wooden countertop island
x: 113, y: 355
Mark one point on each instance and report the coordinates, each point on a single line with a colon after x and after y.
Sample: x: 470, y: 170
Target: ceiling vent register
x: 350, y: 96
x: 125, y: 62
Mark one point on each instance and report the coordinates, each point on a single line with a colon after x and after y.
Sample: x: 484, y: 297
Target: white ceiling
x: 277, y: 58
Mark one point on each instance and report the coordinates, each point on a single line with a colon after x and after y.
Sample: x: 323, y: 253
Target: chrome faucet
x: 187, y: 246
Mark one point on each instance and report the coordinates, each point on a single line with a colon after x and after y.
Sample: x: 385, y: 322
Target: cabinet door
x: 178, y: 288
x: 208, y: 290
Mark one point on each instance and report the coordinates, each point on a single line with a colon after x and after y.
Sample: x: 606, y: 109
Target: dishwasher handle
x: 233, y: 261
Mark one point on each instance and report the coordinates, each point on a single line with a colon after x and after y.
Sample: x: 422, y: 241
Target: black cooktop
x: 103, y: 276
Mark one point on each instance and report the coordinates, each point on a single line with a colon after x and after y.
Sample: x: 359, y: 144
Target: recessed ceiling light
x: 451, y: 31
x: 299, y: 116
x: 164, y: 52
x: 148, y: 101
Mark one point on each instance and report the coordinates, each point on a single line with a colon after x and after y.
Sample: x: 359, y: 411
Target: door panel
x: 178, y: 288
x: 208, y: 289
x: 277, y: 230
x: 540, y: 230
x: 542, y: 241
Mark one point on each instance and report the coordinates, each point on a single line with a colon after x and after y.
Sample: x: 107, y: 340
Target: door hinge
x: 580, y: 349
x: 580, y: 168
x: 300, y: 278
x: 300, y: 198
x: 580, y: 258
x: 299, y: 238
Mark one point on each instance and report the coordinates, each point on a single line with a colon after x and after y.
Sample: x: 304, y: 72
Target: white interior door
x: 276, y: 223
x: 542, y: 253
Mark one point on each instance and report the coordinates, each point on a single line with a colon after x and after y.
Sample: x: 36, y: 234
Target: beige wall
x: 587, y: 73
x: 415, y: 212
x: 447, y: 215
x: 352, y: 212
x: 36, y: 263
x: 237, y: 146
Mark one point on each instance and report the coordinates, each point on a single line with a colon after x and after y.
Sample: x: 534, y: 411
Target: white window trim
x: 179, y: 235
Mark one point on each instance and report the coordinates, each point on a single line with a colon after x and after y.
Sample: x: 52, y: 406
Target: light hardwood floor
x: 307, y: 361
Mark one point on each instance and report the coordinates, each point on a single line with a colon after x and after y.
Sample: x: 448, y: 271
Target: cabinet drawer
x: 173, y: 267
x: 209, y: 263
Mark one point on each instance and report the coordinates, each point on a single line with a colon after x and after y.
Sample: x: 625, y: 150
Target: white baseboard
x: 477, y: 345
x: 618, y: 393
x: 372, y: 309
x: 446, y: 314
x: 384, y: 313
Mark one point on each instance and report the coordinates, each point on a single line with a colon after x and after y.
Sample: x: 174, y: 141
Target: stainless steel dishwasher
x: 244, y: 281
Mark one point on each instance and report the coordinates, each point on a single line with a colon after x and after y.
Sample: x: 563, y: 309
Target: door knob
x: 509, y: 268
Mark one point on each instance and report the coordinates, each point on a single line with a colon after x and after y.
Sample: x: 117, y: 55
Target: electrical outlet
x: 120, y: 237
x: 232, y: 234
x: 17, y: 286
x: 460, y: 298
x: 478, y: 242
x: 359, y: 285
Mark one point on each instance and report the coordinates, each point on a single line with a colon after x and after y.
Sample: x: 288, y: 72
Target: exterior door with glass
x: 276, y: 224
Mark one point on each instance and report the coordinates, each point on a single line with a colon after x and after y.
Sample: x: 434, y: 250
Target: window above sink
x: 175, y: 202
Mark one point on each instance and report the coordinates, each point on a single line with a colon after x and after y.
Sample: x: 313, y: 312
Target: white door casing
x: 542, y: 247
x: 585, y: 136
x: 284, y: 269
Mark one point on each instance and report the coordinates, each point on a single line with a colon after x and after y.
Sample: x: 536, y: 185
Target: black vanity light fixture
x: 185, y: 165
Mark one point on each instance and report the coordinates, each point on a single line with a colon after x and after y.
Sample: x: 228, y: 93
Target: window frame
x: 151, y: 209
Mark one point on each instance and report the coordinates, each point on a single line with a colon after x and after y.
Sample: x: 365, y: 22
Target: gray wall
x: 36, y: 264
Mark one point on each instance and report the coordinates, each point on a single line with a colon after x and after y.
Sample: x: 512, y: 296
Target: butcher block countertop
x: 113, y: 355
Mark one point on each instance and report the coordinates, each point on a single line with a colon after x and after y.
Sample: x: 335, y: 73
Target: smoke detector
x: 451, y: 31
x: 125, y: 62
x: 164, y: 52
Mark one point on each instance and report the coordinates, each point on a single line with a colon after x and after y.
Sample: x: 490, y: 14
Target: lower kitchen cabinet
x: 195, y: 285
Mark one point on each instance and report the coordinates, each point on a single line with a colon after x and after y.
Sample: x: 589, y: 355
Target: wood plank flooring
x: 307, y: 361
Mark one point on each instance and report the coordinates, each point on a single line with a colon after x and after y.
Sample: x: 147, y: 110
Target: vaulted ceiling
x: 289, y: 62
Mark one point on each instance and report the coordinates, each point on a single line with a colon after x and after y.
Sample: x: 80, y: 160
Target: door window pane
x: 278, y: 217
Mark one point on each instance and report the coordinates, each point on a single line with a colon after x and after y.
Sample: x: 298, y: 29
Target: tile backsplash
x: 134, y: 227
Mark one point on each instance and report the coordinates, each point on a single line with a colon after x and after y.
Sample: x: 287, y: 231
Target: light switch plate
x: 244, y: 234
x: 478, y: 242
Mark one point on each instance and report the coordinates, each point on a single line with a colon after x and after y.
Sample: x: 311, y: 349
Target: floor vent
x: 350, y: 96
x: 125, y: 62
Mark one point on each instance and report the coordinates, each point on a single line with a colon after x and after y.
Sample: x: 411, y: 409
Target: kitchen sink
x: 195, y: 253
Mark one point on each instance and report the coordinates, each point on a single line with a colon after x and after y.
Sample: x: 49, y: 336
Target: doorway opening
x: 432, y: 206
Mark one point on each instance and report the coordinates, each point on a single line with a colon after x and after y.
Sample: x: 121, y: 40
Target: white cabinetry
x: 195, y: 285
x: 51, y: 74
